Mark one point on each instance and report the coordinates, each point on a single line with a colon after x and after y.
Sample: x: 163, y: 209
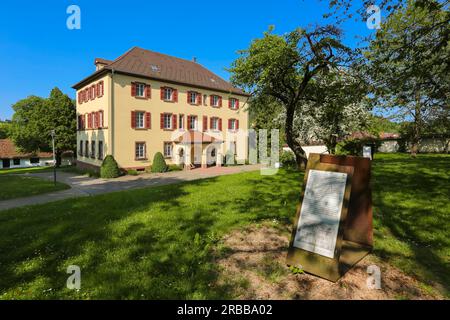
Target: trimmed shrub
x: 109, y: 168
x: 287, y: 160
x: 132, y: 172
x: 159, y: 164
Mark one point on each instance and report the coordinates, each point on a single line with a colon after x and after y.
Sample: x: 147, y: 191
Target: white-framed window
x: 100, y: 119
x: 167, y: 121
x: 140, y: 90
x: 193, y: 97
x: 214, y: 123
x: 100, y: 150
x: 140, y: 150
x: 192, y: 122
x: 215, y: 101
x: 168, y: 148
x: 140, y: 120
x: 233, y: 124
x: 233, y: 103
x: 168, y: 94
x: 181, y: 121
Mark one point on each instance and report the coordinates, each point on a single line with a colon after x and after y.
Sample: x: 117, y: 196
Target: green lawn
x: 17, y: 186
x: 31, y: 170
x: 157, y: 242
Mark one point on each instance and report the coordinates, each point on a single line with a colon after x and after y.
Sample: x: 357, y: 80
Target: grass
x: 157, y: 242
x: 31, y: 170
x: 412, y: 215
x: 16, y: 186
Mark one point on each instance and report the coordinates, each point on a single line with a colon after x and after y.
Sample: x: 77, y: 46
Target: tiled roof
x: 158, y: 66
x: 8, y: 151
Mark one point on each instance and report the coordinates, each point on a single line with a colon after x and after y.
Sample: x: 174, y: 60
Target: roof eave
x: 107, y: 69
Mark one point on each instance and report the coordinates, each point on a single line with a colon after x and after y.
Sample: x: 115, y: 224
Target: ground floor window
x: 168, y: 148
x: 93, y: 149
x: 16, y: 162
x: 80, y: 152
x: 86, y: 149
x: 100, y: 150
x: 140, y: 150
x: 34, y: 160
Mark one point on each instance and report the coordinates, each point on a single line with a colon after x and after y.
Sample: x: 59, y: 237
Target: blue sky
x: 38, y: 52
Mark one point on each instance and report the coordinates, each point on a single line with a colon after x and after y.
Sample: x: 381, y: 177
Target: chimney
x: 100, y: 63
x: 194, y: 59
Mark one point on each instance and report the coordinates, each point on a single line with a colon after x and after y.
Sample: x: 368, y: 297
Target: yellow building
x: 145, y: 102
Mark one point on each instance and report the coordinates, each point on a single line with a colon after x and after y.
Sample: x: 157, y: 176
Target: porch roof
x: 196, y: 137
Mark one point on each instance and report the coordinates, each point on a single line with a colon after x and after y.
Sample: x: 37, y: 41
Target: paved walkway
x: 83, y: 186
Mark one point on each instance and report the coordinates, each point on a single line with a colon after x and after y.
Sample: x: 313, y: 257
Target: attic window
x: 213, y: 80
x: 154, y: 68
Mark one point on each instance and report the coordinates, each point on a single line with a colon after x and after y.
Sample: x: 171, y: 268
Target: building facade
x: 146, y: 102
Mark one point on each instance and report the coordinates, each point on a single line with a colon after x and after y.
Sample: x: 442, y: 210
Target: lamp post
x: 53, y: 134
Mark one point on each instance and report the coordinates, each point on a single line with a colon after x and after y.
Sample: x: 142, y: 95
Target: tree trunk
x: 300, y: 155
x: 416, y: 129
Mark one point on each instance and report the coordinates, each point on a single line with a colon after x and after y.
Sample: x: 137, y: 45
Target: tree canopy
x: 34, y: 118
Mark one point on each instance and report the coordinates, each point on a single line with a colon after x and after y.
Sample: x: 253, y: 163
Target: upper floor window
x: 167, y: 121
x: 192, y: 122
x: 234, y: 103
x: 216, y: 101
x: 233, y: 124
x: 140, y: 118
x: 140, y: 90
x: 214, y: 123
x: 168, y: 94
x: 194, y: 97
x: 181, y: 121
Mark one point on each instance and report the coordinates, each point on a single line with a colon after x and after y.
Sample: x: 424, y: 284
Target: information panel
x: 318, y: 226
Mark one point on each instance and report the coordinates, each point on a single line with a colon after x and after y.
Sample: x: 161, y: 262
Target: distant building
x: 11, y: 158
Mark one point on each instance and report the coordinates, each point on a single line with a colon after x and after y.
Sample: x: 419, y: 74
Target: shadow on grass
x: 152, y: 243
x: 411, y: 205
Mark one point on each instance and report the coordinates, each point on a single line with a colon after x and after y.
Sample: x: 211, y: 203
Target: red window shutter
x: 220, y: 101
x: 95, y: 115
x: 148, y: 91
x: 97, y: 89
x: 229, y: 103
x: 174, y: 121
x: 175, y: 95
x: 133, y: 89
x: 100, y: 87
x: 237, y: 103
x: 103, y: 119
x: 237, y: 124
x: 148, y: 120
x: 162, y: 120
x: 93, y: 92
x: 189, y: 97
x: 199, y: 98
x: 211, y: 122
x: 220, y: 124
x: 189, y: 120
x: 211, y: 100
x: 229, y: 124
x: 205, y: 123
x: 133, y: 119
